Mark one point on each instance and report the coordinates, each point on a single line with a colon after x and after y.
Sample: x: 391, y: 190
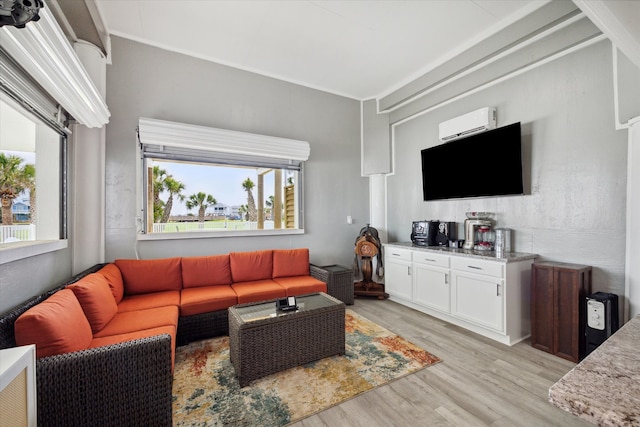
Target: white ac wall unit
x: 468, y: 124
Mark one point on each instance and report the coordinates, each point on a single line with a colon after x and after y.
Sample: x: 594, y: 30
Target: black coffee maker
x: 423, y: 233
x: 446, y: 231
x: 433, y: 233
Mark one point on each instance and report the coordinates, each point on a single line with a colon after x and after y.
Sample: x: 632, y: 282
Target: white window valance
x: 44, y: 52
x: 225, y: 142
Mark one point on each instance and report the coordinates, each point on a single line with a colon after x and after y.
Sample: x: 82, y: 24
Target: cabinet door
x: 570, y: 291
x: 542, y: 307
x: 398, y: 279
x: 478, y: 299
x: 431, y: 287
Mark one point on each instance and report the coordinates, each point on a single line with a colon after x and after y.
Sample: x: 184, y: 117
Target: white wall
x: 575, y: 162
x: 149, y: 82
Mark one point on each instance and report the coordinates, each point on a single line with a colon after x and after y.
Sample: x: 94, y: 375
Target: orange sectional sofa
x: 105, y: 340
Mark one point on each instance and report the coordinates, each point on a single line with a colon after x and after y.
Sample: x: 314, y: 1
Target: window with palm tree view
x: 189, y: 196
x: 31, y: 168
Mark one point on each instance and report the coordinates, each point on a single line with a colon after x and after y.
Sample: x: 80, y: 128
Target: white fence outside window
x: 14, y: 233
x: 178, y: 227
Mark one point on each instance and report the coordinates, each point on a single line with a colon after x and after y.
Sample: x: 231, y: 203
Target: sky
x: 223, y: 183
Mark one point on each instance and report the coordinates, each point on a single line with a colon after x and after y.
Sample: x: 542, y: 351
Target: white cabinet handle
x: 446, y: 279
x: 474, y: 267
x: 408, y: 270
x: 430, y: 260
x: 497, y: 290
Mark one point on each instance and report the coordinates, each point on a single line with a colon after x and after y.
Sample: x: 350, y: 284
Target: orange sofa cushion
x: 206, y: 271
x: 97, y: 301
x: 141, y: 276
x: 151, y: 300
x: 258, y: 290
x: 114, y: 278
x: 290, y: 262
x: 300, y: 285
x: 57, y: 325
x: 131, y: 321
x: 206, y: 299
x: 251, y: 266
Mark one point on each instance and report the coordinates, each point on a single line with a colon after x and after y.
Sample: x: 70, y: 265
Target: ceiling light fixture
x: 17, y: 13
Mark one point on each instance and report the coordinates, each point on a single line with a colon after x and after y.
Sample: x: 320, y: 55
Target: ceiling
x: 357, y: 48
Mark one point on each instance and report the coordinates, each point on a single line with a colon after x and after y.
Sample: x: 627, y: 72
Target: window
x: 199, y: 180
x: 31, y: 178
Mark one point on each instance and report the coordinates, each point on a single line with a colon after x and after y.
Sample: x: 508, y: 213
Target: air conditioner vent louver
x: 474, y: 122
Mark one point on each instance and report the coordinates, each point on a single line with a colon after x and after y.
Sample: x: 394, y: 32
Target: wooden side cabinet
x: 558, y: 308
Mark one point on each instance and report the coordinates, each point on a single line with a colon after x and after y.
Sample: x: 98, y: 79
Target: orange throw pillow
x: 57, y: 325
x: 250, y: 266
x: 143, y: 276
x: 114, y: 278
x: 210, y: 270
x: 290, y: 262
x: 97, y: 302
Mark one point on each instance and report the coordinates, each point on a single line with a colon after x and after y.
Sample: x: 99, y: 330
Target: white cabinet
x: 478, y: 299
x: 477, y: 291
x: 431, y: 281
x: 488, y: 297
x: 398, y: 281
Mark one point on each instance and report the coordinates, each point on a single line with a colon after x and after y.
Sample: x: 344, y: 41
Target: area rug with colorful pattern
x: 206, y: 391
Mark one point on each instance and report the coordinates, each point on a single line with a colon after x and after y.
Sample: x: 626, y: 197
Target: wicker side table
x: 339, y: 281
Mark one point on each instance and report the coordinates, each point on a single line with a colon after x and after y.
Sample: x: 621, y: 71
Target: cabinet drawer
x: 429, y: 258
x: 478, y: 266
x: 397, y: 253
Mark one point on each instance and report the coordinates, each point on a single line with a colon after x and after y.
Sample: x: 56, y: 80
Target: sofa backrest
x: 290, y: 262
x: 142, y: 276
x: 251, y: 266
x: 209, y: 270
x: 114, y: 277
x: 8, y: 319
x: 95, y: 298
x: 56, y: 325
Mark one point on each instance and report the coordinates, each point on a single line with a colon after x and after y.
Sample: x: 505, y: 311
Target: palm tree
x: 201, y: 201
x: 174, y: 188
x: 14, y: 179
x: 29, y: 174
x: 269, y: 202
x: 159, y: 177
x: 252, y: 213
x: 243, y: 210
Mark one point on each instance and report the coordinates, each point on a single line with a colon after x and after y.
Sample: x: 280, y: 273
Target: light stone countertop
x: 488, y: 255
x: 604, y: 388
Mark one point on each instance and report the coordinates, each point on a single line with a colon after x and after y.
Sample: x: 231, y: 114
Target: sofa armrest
x: 123, y: 384
x: 319, y: 273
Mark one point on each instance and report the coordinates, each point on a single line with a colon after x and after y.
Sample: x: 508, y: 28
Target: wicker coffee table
x: 264, y: 341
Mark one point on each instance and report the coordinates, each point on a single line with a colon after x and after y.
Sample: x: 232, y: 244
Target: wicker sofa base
x: 202, y: 326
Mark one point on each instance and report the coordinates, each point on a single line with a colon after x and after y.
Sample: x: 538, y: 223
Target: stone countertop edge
x: 604, y: 388
x: 488, y: 255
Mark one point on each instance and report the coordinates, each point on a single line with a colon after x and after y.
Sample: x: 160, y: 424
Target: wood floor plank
x: 478, y: 383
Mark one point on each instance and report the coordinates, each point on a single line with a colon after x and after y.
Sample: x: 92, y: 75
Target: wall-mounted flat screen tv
x: 481, y: 165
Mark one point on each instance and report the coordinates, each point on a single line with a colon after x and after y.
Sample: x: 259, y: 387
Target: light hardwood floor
x: 478, y: 383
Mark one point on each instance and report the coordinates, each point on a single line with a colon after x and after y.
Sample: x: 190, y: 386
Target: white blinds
x: 182, y: 141
x: 42, y: 49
